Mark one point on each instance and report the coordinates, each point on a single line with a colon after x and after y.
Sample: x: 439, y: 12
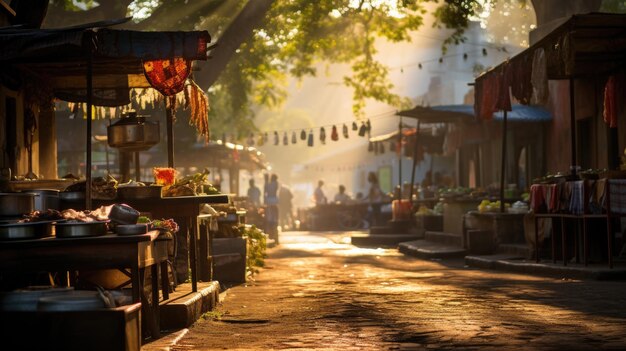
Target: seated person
x: 341, y: 196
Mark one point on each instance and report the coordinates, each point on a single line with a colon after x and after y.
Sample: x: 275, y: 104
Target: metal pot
x: 133, y: 133
x: 80, y: 229
x: 16, y: 204
x: 46, y: 199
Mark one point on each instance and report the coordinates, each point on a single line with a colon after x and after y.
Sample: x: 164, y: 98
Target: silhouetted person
x: 341, y: 197
x: 271, y: 206
x: 254, y: 194
x: 318, y: 195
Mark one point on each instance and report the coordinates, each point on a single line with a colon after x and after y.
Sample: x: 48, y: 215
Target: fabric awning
x: 58, y: 57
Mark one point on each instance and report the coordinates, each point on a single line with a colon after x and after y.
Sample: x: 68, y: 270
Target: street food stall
x: 96, y: 65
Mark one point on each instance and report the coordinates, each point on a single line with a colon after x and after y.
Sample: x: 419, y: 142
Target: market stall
x: 97, y: 65
x: 588, y: 52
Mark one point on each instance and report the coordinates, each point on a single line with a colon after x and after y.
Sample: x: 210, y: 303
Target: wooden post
x: 169, y: 113
x: 89, y: 108
x: 503, y: 165
x: 417, y: 133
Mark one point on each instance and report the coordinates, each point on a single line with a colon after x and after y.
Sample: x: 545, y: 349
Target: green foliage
x: 613, y: 6
x: 214, y: 315
x: 257, y: 246
x: 456, y: 15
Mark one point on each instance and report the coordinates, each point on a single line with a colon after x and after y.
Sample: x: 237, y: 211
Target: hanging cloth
x: 285, y: 139
x: 302, y: 135
x: 167, y: 76
x: 610, y: 102
x: 362, y: 130
x: 334, y: 136
x: 310, y: 141
x: 323, y: 135
x: 344, y: 130
x: 521, y: 72
x: 293, y: 138
x: 504, y: 82
x: 539, y: 78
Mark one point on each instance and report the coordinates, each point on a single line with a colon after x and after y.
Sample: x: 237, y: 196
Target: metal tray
x: 29, y: 230
x: 131, y: 229
x: 81, y: 229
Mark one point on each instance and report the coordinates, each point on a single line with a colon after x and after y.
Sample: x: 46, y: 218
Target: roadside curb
x: 497, y: 262
x: 428, y: 250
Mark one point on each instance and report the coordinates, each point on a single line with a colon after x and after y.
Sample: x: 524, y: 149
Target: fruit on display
x: 489, y: 206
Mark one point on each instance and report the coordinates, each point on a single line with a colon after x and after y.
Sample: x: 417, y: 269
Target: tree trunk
x: 238, y: 32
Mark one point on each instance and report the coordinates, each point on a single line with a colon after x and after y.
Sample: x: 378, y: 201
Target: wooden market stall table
x: 579, y: 201
x: 333, y: 216
x: 111, y: 251
x: 454, y: 209
x: 186, y: 208
x: 499, y: 228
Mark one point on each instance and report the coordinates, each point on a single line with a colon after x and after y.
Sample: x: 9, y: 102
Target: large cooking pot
x: 133, y: 133
x: 45, y: 199
x: 16, y: 204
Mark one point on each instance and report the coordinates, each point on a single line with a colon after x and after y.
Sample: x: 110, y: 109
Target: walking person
x: 285, y: 208
x: 271, y: 206
x: 375, y: 197
x: 254, y: 194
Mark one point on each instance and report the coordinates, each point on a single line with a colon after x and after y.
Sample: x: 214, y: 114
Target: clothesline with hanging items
x: 292, y: 136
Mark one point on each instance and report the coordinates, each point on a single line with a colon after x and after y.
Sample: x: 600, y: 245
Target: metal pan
x: 131, y: 229
x: 29, y: 230
x: 80, y: 229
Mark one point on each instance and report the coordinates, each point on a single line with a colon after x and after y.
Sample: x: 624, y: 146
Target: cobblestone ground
x: 318, y: 293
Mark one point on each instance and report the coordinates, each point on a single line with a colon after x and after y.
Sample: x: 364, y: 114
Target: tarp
x: 465, y: 113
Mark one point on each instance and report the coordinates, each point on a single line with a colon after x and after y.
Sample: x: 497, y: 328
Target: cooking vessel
x: 133, y: 133
x: 123, y: 214
x: 131, y: 229
x: 45, y: 199
x: 29, y: 230
x: 80, y: 229
x: 27, y: 299
x: 16, y: 204
x: 78, y: 300
x: 139, y: 192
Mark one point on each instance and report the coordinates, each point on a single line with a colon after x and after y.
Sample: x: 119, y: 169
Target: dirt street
x: 319, y: 293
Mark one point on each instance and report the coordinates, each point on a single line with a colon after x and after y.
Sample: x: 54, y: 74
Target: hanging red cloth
x: 167, y: 76
x: 610, y: 103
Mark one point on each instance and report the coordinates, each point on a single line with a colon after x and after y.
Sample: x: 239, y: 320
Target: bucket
x: 400, y: 209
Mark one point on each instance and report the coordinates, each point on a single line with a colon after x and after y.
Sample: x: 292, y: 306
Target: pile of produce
x: 190, y: 185
x: 489, y: 206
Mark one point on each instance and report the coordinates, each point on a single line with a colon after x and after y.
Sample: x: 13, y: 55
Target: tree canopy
x: 285, y: 38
